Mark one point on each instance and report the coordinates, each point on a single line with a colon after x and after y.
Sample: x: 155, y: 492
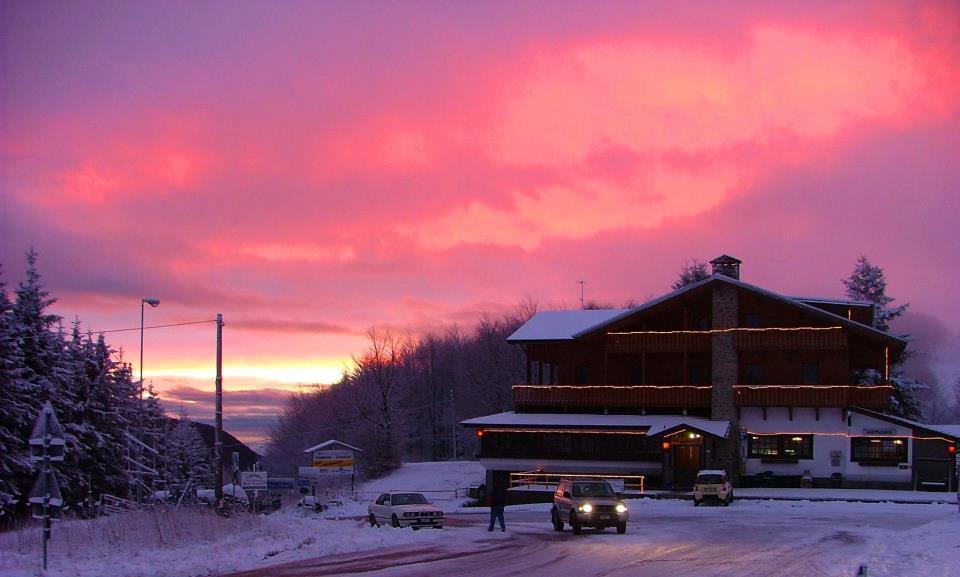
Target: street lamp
x: 153, y: 303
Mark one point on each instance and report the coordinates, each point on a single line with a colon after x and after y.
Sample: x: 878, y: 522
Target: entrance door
x: 686, y: 464
x: 933, y: 474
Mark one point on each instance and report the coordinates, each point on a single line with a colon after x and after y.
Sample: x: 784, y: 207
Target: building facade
x: 720, y: 374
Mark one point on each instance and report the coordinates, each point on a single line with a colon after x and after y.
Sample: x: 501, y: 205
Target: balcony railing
x: 527, y: 397
x: 790, y: 340
x: 818, y: 396
x: 769, y: 339
x: 613, y: 396
x: 658, y: 342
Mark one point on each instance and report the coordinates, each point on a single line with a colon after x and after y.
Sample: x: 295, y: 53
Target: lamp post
x: 153, y: 303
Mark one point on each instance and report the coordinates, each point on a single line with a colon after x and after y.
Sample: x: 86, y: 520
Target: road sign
x: 281, y: 484
x: 47, y: 431
x: 50, y: 490
x: 333, y: 462
x: 253, y: 480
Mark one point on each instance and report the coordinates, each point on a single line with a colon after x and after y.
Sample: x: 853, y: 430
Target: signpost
x: 330, y: 459
x: 255, y: 480
x: 333, y: 462
x: 47, y: 445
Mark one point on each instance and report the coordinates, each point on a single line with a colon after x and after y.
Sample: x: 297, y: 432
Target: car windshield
x: 593, y: 490
x: 710, y: 479
x: 408, y: 499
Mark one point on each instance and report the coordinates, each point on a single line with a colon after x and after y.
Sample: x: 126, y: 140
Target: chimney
x: 727, y: 266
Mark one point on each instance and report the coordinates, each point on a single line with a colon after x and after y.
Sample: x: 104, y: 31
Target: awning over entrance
x: 651, y: 425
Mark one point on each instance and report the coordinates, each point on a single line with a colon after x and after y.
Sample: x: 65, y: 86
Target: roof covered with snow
x: 331, y: 444
x: 562, y: 325
x: 651, y: 424
x: 568, y: 325
x: 952, y: 431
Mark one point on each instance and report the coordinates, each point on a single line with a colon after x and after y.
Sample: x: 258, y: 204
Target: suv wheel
x: 696, y: 502
x: 555, y: 518
x: 373, y: 521
x: 574, y: 524
x: 394, y: 521
x: 622, y: 528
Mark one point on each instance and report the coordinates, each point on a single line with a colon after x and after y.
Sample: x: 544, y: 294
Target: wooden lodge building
x: 719, y: 374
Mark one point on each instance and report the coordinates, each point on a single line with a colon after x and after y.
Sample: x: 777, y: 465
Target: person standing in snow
x: 498, y: 500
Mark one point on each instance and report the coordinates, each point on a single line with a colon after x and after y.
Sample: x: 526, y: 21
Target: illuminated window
x: 790, y: 447
x: 878, y: 450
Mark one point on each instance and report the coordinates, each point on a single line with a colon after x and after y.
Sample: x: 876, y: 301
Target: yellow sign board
x: 333, y: 463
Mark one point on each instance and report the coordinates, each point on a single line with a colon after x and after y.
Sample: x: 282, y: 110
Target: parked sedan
x: 402, y: 509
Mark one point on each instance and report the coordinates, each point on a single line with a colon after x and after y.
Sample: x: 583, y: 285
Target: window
x: 780, y: 447
x: 878, y: 450
x: 582, y: 375
x: 810, y: 374
x: 753, y: 374
x: 701, y: 375
x: 751, y: 320
x: 700, y: 323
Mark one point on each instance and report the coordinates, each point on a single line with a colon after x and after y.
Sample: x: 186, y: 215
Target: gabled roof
x: 561, y: 325
x: 559, y: 328
x: 332, y: 443
x: 828, y: 301
x: 652, y: 425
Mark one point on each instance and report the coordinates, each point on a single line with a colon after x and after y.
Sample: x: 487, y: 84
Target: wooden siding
x: 620, y: 396
x: 790, y: 340
x: 818, y: 396
x: 685, y: 396
x: 654, y: 342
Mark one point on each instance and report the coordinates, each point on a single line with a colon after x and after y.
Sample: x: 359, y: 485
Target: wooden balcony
x: 612, y: 396
x: 526, y: 397
x: 835, y: 339
x: 817, y: 396
x: 745, y: 339
x: 668, y: 342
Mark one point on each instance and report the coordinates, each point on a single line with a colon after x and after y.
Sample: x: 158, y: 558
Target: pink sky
x: 313, y: 169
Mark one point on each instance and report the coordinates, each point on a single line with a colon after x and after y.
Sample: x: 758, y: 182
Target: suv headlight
x: 586, y: 507
x: 621, y: 508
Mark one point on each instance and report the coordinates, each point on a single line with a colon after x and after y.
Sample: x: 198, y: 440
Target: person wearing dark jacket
x: 498, y: 500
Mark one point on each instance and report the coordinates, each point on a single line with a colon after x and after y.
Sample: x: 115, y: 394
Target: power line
x: 156, y: 326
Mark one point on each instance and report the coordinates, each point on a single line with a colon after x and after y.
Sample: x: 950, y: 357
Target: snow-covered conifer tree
x: 868, y: 283
x: 187, y: 456
x: 16, y: 412
x: 692, y: 271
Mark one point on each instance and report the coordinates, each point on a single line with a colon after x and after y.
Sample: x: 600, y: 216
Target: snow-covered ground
x: 751, y: 537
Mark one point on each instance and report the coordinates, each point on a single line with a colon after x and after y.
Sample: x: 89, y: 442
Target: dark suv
x: 584, y: 503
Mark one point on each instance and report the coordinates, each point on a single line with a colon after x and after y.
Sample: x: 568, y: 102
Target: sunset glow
x: 311, y: 170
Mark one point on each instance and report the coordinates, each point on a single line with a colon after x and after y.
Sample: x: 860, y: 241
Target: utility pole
x: 218, y: 431
x: 453, y: 426
x: 580, y: 282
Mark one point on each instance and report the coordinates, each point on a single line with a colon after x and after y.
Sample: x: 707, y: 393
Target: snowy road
x: 749, y: 539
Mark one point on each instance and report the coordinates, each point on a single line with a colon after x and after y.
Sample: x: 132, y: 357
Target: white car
x: 712, y: 485
x: 404, y: 509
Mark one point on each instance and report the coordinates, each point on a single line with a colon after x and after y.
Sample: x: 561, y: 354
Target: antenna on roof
x: 580, y: 282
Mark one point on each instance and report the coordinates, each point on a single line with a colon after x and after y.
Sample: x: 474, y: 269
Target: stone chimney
x: 727, y: 266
